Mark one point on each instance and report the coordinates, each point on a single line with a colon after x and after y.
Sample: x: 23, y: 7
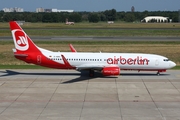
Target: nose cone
x: 172, y: 64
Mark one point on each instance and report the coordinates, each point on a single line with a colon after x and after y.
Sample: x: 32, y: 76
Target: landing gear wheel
x: 158, y: 73
x: 91, y: 73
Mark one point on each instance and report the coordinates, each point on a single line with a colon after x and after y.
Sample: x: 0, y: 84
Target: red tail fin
x: 22, y: 42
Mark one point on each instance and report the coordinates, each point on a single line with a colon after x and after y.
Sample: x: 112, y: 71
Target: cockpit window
x: 166, y: 59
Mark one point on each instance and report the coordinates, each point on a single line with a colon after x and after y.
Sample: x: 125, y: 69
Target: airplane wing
x: 93, y: 66
x: 105, y: 69
x: 89, y: 66
x: 83, y: 66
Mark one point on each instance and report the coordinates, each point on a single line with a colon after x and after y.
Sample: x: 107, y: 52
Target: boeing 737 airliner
x: 109, y: 64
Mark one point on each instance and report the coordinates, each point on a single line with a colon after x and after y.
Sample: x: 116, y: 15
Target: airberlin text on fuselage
x: 130, y: 61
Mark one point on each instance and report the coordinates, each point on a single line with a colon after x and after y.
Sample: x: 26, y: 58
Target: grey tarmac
x: 48, y: 94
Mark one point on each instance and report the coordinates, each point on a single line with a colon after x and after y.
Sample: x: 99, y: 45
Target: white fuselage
x: 126, y: 61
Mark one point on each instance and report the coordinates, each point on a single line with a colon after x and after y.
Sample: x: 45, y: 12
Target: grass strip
x: 88, y: 25
x: 97, y: 32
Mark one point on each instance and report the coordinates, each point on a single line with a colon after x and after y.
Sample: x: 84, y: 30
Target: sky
x: 94, y: 5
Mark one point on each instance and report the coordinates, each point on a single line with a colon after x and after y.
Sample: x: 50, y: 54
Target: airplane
x: 109, y: 64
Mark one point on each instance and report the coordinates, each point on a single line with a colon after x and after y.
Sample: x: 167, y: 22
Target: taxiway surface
x: 68, y: 95
x: 60, y: 38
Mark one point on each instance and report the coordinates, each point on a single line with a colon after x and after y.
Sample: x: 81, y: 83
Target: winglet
x: 72, y: 48
x: 66, y: 63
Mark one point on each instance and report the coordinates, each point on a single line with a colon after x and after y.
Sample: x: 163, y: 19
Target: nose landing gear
x: 158, y: 72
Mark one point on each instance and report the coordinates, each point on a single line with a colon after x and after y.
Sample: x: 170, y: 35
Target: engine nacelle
x: 110, y: 71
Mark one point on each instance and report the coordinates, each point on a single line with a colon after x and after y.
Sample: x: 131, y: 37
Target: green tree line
x: 107, y: 15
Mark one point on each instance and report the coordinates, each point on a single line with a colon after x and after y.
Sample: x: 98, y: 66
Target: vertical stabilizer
x: 23, y: 44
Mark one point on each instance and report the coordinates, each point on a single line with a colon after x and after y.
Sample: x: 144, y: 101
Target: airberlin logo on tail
x: 20, y: 40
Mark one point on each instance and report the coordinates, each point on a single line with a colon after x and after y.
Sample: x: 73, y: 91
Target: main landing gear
x: 158, y: 73
x: 91, y: 73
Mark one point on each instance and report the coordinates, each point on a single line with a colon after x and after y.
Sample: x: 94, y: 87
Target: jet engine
x: 110, y: 71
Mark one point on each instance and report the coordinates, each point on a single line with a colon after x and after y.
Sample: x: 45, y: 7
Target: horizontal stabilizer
x: 21, y: 55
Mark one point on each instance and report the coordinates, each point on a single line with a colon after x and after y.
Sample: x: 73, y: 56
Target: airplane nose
x: 172, y: 64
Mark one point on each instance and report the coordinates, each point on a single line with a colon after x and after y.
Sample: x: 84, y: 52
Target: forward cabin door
x: 156, y: 62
